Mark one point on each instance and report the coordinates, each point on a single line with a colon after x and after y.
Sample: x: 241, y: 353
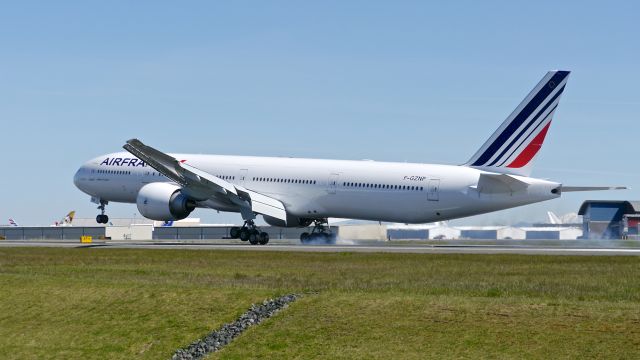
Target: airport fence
x: 219, y: 232
x: 51, y: 233
x: 159, y: 233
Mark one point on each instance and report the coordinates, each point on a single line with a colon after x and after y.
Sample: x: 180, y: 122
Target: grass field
x: 117, y: 303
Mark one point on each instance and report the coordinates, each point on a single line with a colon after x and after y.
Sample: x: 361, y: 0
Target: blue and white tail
x: 514, y: 146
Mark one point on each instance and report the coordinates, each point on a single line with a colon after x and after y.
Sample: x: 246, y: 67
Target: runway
x: 512, y: 247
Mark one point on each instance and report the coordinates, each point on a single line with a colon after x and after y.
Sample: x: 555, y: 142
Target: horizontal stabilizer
x: 590, y: 188
x: 500, y: 184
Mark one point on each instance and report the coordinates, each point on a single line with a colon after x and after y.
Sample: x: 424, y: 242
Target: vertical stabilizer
x: 514, y: 146
x: 553, y: 218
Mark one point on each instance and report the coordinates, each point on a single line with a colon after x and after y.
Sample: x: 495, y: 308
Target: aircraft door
x: 333, y: 183
x: 433, y: 190
x: 243, y: 176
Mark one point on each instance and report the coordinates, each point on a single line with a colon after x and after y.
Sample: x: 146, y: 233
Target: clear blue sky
x: 395, y: 81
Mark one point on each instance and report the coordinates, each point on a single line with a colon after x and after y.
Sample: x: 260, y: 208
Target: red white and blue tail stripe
x: 512, y: 148
x: 12, y: 222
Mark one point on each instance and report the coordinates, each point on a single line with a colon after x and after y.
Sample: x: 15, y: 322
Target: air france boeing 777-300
x: 295, y: 192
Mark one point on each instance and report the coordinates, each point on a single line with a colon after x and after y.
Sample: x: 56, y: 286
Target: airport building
x: 552, y: 232
x: 353, y: 232
x: 607, y: 219
x: 491, y: 232
x: 601, y: 219
x: 444, y: 232
x: 438, y: 231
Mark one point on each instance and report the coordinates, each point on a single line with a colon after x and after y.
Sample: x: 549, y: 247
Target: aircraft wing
x: 201, y: 185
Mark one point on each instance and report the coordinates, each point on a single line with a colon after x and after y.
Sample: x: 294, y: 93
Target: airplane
x: 570, y: 218
x: 66, y: 221
x: 297, y: 192
x: 13, y: 223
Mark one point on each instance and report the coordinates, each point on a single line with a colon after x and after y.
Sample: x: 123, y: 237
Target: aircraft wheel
x: 264, y: 238
x: 331, y: 238
x: 102, y: 219
x: 304, y: 237
x: 254, y: 238
x: 244, y: 234
x: 234, y: 232
x: 312, y: 237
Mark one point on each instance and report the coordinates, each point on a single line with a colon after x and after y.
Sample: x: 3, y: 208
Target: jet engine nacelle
x: 292, y: 221
x: 164, y: 202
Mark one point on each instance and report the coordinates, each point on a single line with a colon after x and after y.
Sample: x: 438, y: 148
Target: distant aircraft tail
x: 12, y: 222
x: 553, y: 218
x: 69, y: 218
x: 513, y: 147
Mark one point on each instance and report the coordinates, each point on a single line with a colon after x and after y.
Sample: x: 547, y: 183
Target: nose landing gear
x: 102, y: 218
x: 320, y: 233
x: 249, y: 232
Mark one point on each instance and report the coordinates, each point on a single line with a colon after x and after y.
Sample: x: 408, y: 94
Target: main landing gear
x: 102, y: 218
x: 320, y: 233
x: 249, y: 232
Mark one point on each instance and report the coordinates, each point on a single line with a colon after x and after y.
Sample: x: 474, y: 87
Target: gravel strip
x: 223, y: 336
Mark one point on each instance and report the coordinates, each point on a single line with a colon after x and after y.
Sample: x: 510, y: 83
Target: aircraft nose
x: 76, y: 178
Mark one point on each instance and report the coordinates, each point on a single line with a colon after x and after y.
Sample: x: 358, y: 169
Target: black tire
x: 331, y: 238
x: 304, y: 237
x: 234, y: 232
x: 105, y: 218
x: 99, y: 219
x: 254, y: 238
x: 244, y: 234
x: 264, y: 238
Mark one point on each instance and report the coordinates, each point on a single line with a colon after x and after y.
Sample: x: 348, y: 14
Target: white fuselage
x: 312, y: 188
